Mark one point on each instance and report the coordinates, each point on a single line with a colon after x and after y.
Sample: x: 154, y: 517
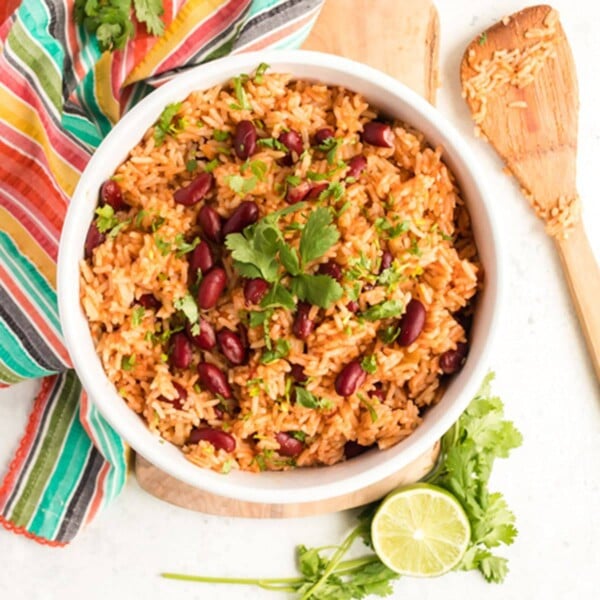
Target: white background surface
x: 543, y: 375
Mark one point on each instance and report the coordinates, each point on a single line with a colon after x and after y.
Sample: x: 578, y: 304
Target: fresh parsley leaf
x: 320, y: 290
x: 128, y: 362
x: 281, y: 350
x: 187, y: 305
x: 149, y: 12
x: 318, y: 235
x: 221, y: 135
x: 369, y: 363
x: 240, y: 185
x: 166, y: 124
x: 137, y: 315
x: 182, y: 247
x: 383, y: 310
x: 260, y: 71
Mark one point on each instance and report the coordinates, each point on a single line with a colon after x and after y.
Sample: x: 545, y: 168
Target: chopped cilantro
x: 128, y: 362
x: 106, y: 218
x: 281, y: 350
x: 240, y: 93
x: 191, y: 165
x: 309, y: 400
x: 137, y: 315
x: 383, y: 310
x: 182, y: 247
x: 382, y: 226
x: 330, y: 146
x: 166, y: 124
x: 293, y: 180
x: 389, y: 334
x: 260, y: 71
x: 273, y: 143
x: 187, y: 305
x: 221, y: 135
x: 369, y: 363
x: 240, y: 185
x: 163, y: 246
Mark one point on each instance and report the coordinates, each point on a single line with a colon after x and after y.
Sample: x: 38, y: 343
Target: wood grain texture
x: 539, y: 146
x: 400, y: 37
x: 171, y: 490
x: 539, y: 142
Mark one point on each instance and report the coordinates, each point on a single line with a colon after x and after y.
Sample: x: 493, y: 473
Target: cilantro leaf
x: 187, y: 305
x: 137, y: 315
x: 191, y: 165
x: 106, y: 218
x: 240, y: 185
x: 149, y: 12
x: 182, y: 247
x: 318, y: 235
x: 369, y: 363
x: 281, y: 350
x: 383, y: 310
x: 309, y: 400
x: 278, y: 296
x: 321, y: 290
x: 128, y: 362
x: 289, y: 258
x: 166, y: 124
x: 221, y: 135
x: 273, y: 143
x: 209, y: 167
x: 256, y: 248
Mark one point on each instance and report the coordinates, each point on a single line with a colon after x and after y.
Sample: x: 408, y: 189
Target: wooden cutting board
x: 400, y: 37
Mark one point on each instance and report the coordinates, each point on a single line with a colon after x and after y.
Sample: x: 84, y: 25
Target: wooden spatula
x: 519, y: 81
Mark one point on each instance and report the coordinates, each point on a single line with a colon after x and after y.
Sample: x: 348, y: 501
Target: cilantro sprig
x: 467, y: 456
x: 167, y: 123
x: 261, y: 251
x: 111, y: 21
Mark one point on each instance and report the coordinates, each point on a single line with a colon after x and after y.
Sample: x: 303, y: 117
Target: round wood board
x: 400, y: 37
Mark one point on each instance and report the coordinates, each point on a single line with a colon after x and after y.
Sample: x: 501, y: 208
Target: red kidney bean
x: 298, y: 374
x: 181, y: 397
x: 350, y: 378
x: 245, y: 214
x: 195, y: 191
x: 92, y: 239
x: 110, y: 193
x: 297, y: 193
x: 221, y: 440
x: 453, y: 360
x: 387, y: 258
x: 379, y: 134
x: 255, y: 290
x: 303, y: 326
x: 149, y: 301
x: 356, y: 165
x: 292, y: 140
x: 288, y: 445
x: 353, y: 306
x: 244, y: 139
x: 201, y: 259
x: 378, y: 392
x: 211, y: 287
x: 232, y: 347
x: 210, y: 222
x: 213, y: 379
x: 332, y: 269
x: 353, y: 449
x: 323, y: 134
x: 411, y: 323
x: 316, y: 190
x: 206, y: 338
x: 181, y: 351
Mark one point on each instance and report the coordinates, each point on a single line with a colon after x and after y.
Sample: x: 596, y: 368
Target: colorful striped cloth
x: 59, y: 96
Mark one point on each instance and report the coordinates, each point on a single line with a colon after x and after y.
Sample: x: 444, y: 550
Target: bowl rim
x: 104, y: 397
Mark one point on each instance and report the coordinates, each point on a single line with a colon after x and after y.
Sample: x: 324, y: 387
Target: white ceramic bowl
x: 300, y: 485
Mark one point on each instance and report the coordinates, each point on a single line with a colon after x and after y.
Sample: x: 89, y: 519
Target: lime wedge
x: 420, y: 531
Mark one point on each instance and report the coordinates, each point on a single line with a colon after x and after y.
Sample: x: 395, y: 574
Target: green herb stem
x: 334, y: 561
x: 283, y: 584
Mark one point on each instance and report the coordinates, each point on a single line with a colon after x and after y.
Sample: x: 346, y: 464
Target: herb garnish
x: 330, y: 146
x: 383, y: 310
x: 221, y: 135
x: 167, y: 124
x: 309, y: 400
x: 281, y: 350
x: 382, y: 225
x: 191, y: 165
x: 182, y: 247
x: 108, y: 222
x: 273, y: 143
x: 369, y: 363
x: 467, y: 456
x: 137, y: 315
x: 260, y: 71
x: 128, y: 362
x: 241, y: 185
x: 187, y: 305
x: 240, y: 93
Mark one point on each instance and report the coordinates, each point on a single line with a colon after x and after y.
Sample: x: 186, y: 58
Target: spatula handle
x: 583, y: 277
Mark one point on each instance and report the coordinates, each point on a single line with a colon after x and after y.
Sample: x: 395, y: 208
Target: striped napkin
x: 59, y: 96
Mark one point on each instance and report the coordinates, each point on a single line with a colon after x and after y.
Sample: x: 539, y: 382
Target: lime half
x: 420, y: 531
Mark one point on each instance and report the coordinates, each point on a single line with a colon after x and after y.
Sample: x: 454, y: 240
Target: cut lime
x: 420, y: 531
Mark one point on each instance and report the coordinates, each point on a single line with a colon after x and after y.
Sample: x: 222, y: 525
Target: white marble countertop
x: 543, y: 375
